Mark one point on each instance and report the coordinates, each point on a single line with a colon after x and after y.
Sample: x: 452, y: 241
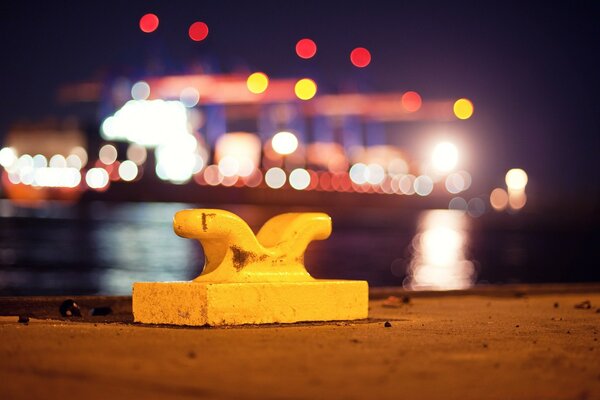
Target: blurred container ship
x: 240, y: 139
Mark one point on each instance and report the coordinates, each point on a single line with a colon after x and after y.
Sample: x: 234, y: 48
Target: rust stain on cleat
x: 248, y: 278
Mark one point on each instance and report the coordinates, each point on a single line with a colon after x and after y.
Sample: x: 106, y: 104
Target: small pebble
x: 485, y: 345
x: 69, y: 308
x: 23, y: 319
x: 556, y: 305
x: 516, y: 326
x: 191, y: 354
x: 387, y: 324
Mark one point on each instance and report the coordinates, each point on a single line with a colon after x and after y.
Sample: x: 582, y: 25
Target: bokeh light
x: 137, y: 153
x: 444, y: 157
x: 458, y: 204
x: 140, y: 91
x: 257, y: 82
x: 299, y: 179
x: 40, y: 161
x: 360, y: 57
x: 517, y: 200
x: 229, y: 166
x: 463, y: 109
x: 476, y: 207
x: 275, y: 178
x: 212, y: 175
x: 128, y: 170
x: 284, y: 143
x: 457, y: 182
x: 8, y: 157
x: 254, y: 179
x: 406, y: 184
x: 411, y: 101
x: 81, y: 153
x: 73, y: 161
x: 516, y: 179
x: 55, y: 177
x: 57, y: 161
x: 305, y: 89
x: 306, y: 48
x: 358, y: 173
x: 97, y: 178
x: 108, y: 154
x: 149, y: 23
x: 499, y: 199
x: 423, y: 185
x: 189, y: 96
x: 375, y: 174
x: 198, y: 31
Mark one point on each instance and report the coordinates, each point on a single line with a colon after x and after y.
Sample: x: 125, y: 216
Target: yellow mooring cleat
x: 250, y: 279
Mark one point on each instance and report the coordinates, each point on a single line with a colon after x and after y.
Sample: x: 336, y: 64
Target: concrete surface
x: 533, y: 346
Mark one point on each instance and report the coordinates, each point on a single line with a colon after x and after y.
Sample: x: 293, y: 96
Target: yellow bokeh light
x: 463, y: 109
x: 257, y: 82
x: 516, y: 179
x: 305, y: 89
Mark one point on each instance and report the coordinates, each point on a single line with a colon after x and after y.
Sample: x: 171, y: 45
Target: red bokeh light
x: 411, y: 101
x: 325, y: 181
x: 198, y: 31
x: 149, y: 23
x: 306, y: 48
x: 360, y: 57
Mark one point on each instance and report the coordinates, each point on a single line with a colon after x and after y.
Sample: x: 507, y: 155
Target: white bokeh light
x: 189, y: 97
x: 140, y: 90
x: 97, y: 178
x: 299, y: 179
x: 423, y: 185
x: 516, y: 179
x: 284, y: 143
x: 128, y: 170
x: 444, y: 157
x: 275, y: 178
x: 8, y: 156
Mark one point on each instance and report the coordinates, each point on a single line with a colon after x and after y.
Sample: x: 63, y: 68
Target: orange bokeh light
x: 499, y: 199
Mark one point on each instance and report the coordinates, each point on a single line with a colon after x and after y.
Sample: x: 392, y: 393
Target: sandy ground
x: 455, y: 347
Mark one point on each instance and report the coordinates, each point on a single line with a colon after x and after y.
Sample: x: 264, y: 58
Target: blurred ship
x: 176, y: 138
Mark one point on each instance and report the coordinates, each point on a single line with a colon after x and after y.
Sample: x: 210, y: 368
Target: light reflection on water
x: 439, y: 260
x: 102, y: 248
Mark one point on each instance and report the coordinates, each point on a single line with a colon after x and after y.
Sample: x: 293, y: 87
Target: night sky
x: 530, y: 69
